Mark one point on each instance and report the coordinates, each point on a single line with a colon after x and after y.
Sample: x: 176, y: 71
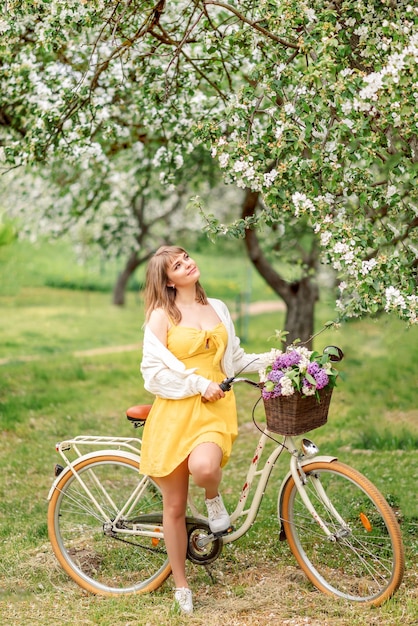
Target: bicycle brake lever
x: 225, y: 385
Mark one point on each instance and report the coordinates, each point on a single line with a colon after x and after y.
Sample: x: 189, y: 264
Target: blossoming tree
x: 116, y: 207
x: 310, y: 106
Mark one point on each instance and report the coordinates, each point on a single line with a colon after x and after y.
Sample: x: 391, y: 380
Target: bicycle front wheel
x: 106, y: 558
x: 363, y: 558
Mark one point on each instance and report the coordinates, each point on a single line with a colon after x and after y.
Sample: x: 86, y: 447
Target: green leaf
x: 310, y: 378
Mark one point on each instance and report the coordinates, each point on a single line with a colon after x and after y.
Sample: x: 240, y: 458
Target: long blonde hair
x: 157, y: 294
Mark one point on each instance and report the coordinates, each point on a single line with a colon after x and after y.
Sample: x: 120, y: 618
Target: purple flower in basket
x: 288, y: 359
x: 321, y: 378
x: 274, y: 376
x: 313, y: 368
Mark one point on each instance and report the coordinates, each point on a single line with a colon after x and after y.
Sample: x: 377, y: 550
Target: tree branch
x: 253, y: 24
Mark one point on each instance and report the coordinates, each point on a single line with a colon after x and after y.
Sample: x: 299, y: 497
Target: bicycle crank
x: 202, y: 546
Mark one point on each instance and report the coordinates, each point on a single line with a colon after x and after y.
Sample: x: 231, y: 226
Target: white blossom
x: 367, y: 266
x: 362, y: 31
x: 178, y: 160
x: 289, y: 108
x: 279, y: 69
x: 311, y: 15
x: 394, y: 299
x: 347, y: 122
x: 286, y: 386
x: 325, y: 238
x: 391, y: 191
x: 270, y: 177
x: 4, y: 26
x: 223, y: 159
x: 278, y: 131
x: 301, y: 201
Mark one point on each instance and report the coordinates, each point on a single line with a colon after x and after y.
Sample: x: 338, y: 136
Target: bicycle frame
x: 129, y: 447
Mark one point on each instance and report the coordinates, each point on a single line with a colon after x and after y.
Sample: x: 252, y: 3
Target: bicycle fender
x: 91, y: 455
x: 323, y: 459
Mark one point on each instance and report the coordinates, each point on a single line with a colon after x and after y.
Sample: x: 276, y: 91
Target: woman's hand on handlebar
x: 213, y: 393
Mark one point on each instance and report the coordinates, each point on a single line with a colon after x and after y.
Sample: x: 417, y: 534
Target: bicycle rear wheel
x: 97, y: 557
x: 363, y: 560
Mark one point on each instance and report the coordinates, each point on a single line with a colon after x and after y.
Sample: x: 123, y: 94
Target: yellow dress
x: 175, y: 427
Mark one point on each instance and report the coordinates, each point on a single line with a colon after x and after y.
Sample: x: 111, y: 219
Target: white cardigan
x: 167, y: 377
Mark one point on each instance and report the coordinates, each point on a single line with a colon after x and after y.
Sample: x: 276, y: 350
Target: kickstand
x: 210, y: 573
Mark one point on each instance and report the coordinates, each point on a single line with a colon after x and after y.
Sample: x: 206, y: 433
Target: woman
x: 190, y: 346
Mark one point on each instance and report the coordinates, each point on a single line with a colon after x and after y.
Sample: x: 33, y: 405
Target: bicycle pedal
x: 223, y: 533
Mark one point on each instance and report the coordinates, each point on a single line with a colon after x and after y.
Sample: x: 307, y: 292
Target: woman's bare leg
x: 205, y: 467
x: 174, y: 488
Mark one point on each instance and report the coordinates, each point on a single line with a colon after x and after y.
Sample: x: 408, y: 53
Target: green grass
x: 65, y: 389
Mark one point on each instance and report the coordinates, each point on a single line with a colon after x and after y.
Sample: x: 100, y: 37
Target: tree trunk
x: 299, y: 296
x: 300, y: 302
x: 122, y: 280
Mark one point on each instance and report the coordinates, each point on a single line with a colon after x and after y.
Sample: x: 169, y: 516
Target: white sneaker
x: 183, y: 599
x: 219, y: 520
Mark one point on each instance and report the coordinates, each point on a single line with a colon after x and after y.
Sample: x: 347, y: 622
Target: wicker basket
x: 294, y: 415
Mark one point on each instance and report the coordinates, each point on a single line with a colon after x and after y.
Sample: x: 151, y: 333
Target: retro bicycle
x: 105, y: 518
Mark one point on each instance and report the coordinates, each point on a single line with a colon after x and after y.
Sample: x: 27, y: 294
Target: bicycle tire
x: 365, y: 560
x: 96, y: 561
